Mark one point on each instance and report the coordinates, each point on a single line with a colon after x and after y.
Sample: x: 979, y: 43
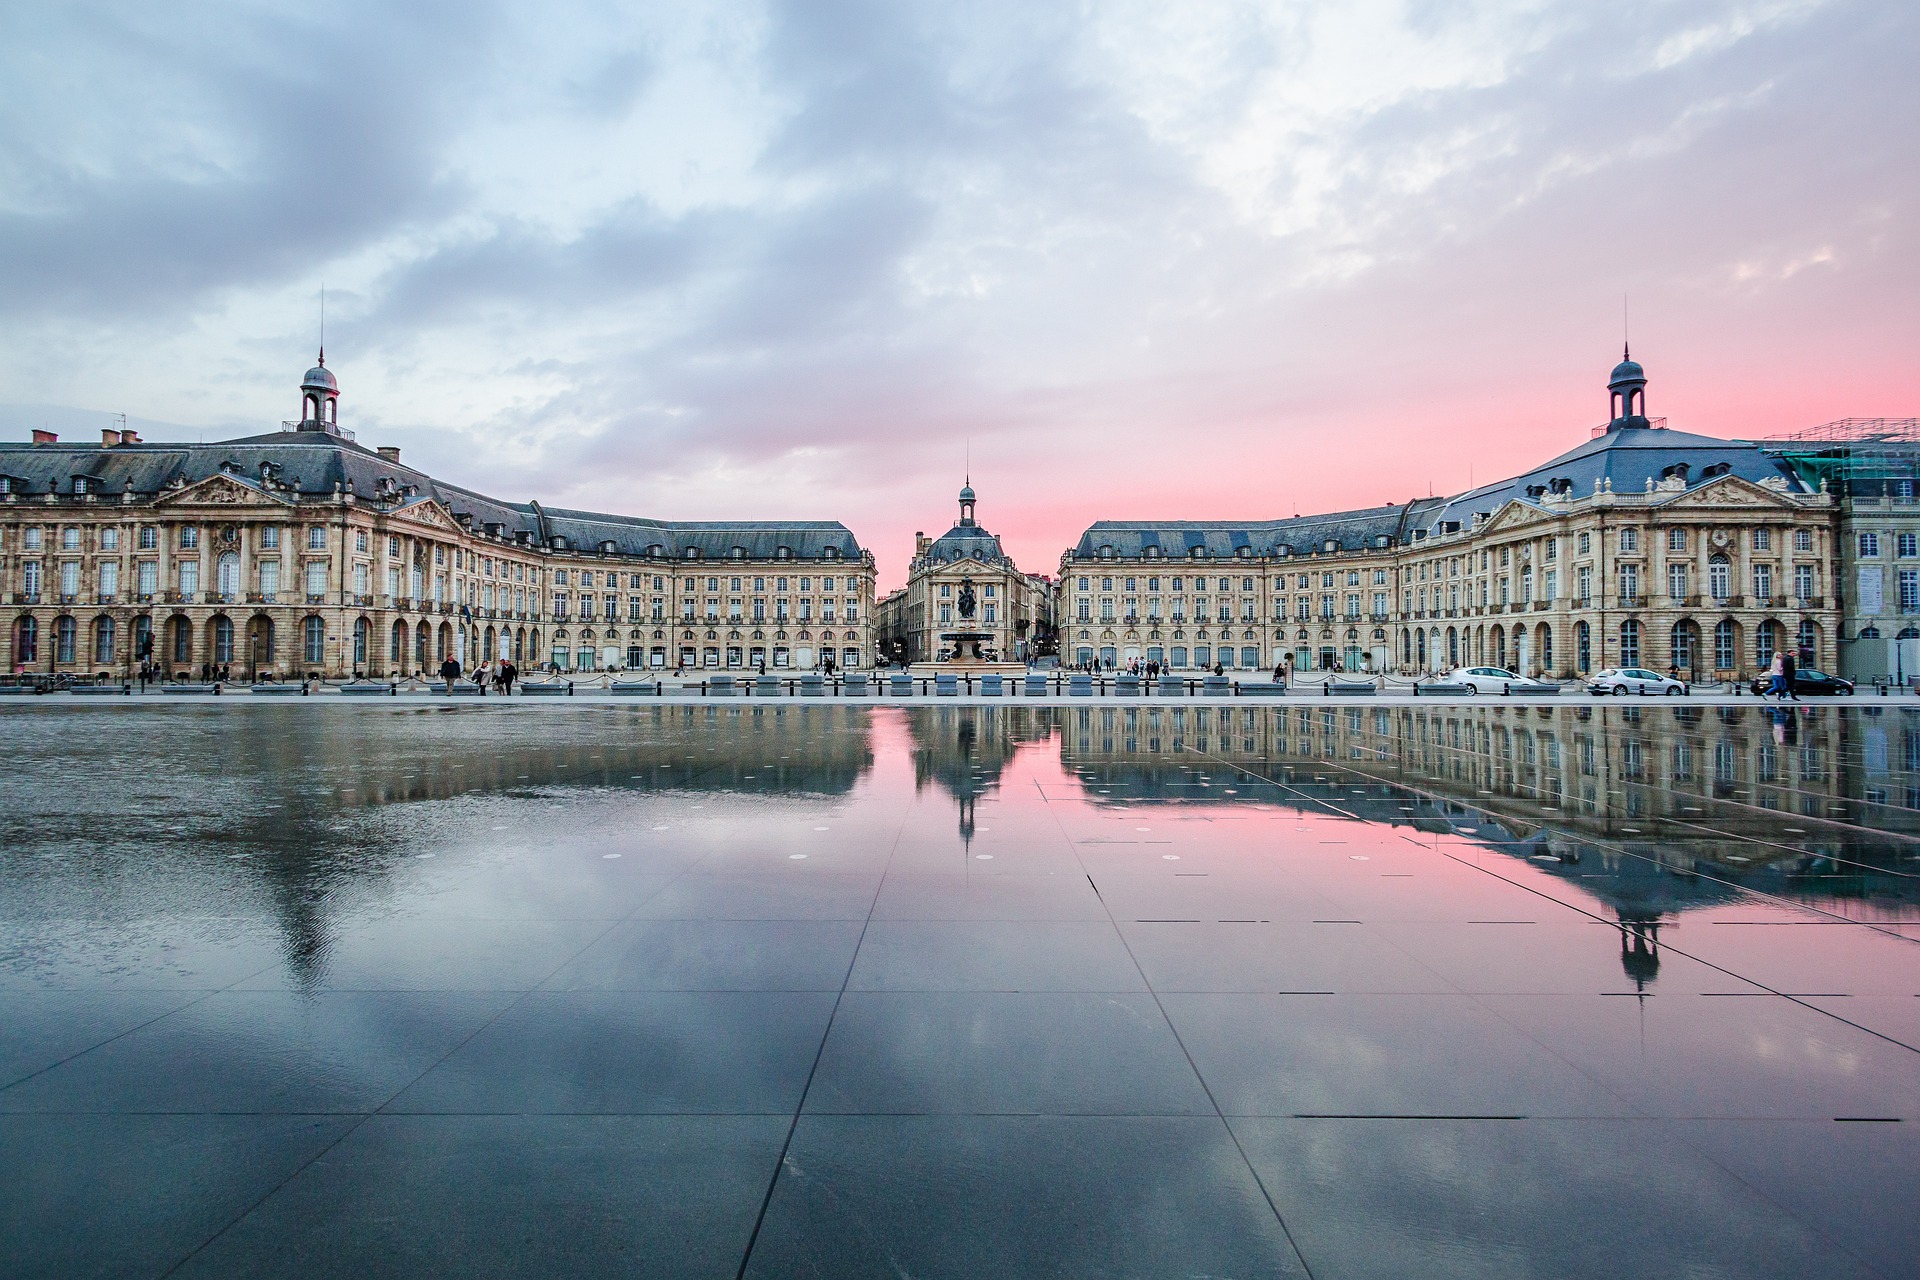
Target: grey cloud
x: 320, y: 135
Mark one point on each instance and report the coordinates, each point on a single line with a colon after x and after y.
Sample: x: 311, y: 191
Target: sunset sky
x: 1200, y: 260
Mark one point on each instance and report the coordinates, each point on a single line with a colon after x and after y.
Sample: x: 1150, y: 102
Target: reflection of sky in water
x: 1018, y: 924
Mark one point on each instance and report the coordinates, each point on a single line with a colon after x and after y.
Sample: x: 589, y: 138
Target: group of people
x: 497, y: 674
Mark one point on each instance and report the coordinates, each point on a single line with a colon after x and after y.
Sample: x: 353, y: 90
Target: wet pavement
x: 779, y: 990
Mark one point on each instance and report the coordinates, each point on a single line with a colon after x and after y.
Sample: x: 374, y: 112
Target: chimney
x: 109, y: 437
x: 391, y: 452
x: 129, y: 437
x: 44, y: 437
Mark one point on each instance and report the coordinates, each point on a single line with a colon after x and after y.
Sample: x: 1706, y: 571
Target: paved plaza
x: 698, y: 987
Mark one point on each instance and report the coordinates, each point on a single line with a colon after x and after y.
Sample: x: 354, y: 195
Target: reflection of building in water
x: 1685, y: 805
x: 302, y: 863
x: 964, y: 749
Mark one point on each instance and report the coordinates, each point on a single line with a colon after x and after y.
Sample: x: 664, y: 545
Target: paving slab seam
x: 1199, y: 1078
x: 819, y: 1052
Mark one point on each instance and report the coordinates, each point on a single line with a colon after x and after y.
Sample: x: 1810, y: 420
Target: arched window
x: 1546, y: 647
x: 1681, y: 642
x: 64, y: 631
x: 103, y: 641
x: 182, y: 641
x: 314, y: 641
x: 1808, y: 641
x: 399, y: 654
x: 223, y: 639
x: 1583, y: 647
x: 1720, y: 577
x: 227, y: 575
x: 1724, y: 641
x: 362, y: 631
x: 26, y: 640
x: 1766, y: 642
x: 1630, y: 643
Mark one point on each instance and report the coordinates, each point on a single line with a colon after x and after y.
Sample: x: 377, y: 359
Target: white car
x: 1492, y: 680
x: 1625, y: 680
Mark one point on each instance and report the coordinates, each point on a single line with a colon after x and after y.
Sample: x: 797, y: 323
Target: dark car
x: 1808, y: 681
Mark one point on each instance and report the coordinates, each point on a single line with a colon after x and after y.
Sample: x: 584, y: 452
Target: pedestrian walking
x: 1776, y: 677
x: 450, y: 671
x: 1788, y: 669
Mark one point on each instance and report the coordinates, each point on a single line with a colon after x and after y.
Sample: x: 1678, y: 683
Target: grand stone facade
x: 300, y: 551
x: 1643, y: 546
x: 1014, y: 609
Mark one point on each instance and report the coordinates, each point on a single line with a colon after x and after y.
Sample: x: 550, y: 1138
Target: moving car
x: 1625, y: 680
x: 1495, y: 680
x: 1807, y: 680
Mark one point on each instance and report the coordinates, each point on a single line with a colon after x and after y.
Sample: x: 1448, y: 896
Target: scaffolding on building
x: 1856, y: 457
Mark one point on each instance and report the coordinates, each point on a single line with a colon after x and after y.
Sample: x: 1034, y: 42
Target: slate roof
x: 1627, y: 456
x: 1352, y: 530
x: 965, y: 540
x: 315, y: 463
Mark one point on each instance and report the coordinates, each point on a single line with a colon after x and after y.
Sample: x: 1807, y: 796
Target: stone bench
x: 99, y: 690
x: 1350, y: 689
x: 17, y: 690
x: 635, y: 688
x: 1171, y: 687
x: 900, y: 686
x: 212, y: 689
x: 1442, y: 690
x: 766, y: 686
x: 812, y: 685
x: 946, y: 685
x: 281, y: 690
x: 719, y: 686
x: 547, y: 689
x: 1261, y: 689
x: 992, y: 686
x: 1216, y: 686
x: 1036, y: 686
x: 1080, y: 685
x: 460, y: 690
x: 369, y: 690
x: 856, y: 684
x: 1126, y: 685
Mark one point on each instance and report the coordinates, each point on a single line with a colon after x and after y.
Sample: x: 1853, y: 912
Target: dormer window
x: 1106, y: 551
x: 79, y: 484
x: 1243, y: 552
x: 1194, y: 553
x: 783, y: 553
x: 831, y: 553
x: 738, y: 553
x: 607, y: 547
x: 692, y: 553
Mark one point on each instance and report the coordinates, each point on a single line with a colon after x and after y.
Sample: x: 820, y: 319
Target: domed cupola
x: 320, y: 398
x: 1627, y: 393
x: 966, y: 504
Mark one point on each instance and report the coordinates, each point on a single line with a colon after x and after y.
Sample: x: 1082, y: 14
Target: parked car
x: 1625, y: 680
x: 1807, y: 680
x: 1494, y: 680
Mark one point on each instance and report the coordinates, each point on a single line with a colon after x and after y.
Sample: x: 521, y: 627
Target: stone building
x: 302, y: 551
x: 1642, y: 546
x: 1014, y: 609
x: 1873, y: 466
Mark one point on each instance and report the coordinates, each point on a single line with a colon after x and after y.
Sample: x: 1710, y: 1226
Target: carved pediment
x: 224, y: 490
x: 430, y: 513
x: 1731, y: 491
